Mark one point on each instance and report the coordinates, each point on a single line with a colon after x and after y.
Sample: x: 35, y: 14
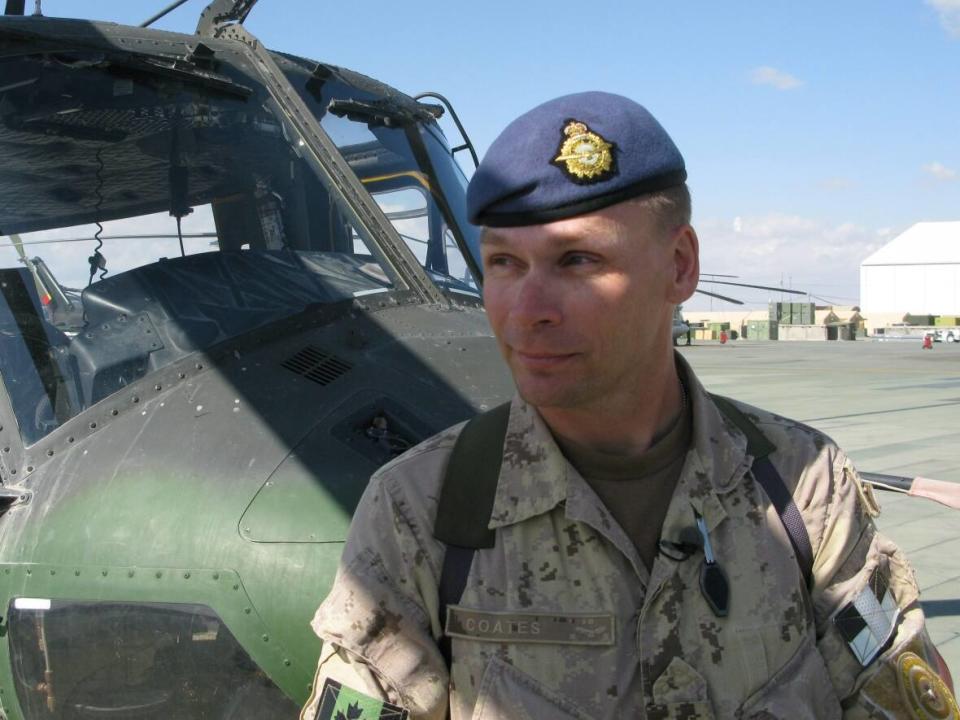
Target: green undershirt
x: 637, y: 490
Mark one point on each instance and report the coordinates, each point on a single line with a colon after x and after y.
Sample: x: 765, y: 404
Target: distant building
x: 918, y: 272
x: 824, y: 323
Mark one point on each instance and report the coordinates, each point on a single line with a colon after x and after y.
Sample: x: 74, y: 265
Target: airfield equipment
x: 682, y: 328
x: 183, y: 439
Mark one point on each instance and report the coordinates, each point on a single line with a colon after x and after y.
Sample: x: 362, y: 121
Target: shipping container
x: 762, y: 330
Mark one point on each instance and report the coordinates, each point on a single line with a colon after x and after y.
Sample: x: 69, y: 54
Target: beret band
x: 587, y: 205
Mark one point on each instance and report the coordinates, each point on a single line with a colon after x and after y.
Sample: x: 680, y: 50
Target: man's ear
x: 686, y: 263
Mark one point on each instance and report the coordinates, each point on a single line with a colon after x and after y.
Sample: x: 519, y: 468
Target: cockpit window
x: 398, y: 153
x: 154, y: 216
x: 432, y: 242
x: 73, y: 660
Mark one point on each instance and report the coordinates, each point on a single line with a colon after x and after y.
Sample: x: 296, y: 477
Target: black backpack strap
x: 466, y: 501
x: 766, y: 474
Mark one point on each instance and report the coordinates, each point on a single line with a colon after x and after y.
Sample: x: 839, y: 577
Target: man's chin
x: 549, y: 395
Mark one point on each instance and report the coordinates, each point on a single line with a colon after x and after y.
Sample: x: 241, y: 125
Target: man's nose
x: 537, y: 301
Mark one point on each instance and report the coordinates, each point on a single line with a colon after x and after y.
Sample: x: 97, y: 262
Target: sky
x: 813, y: 132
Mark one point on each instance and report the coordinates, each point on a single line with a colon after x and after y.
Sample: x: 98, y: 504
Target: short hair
x: 671, y: 208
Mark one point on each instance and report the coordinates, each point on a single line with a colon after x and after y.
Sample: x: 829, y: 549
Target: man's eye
x: 577, y: 259
x: 497, y: 260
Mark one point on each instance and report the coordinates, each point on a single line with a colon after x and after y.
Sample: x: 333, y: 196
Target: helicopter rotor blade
x: 760, y: 287
x: 945, y: 493
x: 719, y: 297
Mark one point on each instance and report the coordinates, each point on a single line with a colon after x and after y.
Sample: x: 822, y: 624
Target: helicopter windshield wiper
x: 178, y: 69
x: 80, y: 54
x: 383, y: 112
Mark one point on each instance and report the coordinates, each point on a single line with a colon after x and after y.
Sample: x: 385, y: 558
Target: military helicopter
x: 183, y: 441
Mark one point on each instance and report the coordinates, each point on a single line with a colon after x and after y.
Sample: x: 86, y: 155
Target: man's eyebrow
x: 490, y: 237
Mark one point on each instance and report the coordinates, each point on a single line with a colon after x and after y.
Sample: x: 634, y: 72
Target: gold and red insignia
x: 923, y: 691
x: 584, y: 155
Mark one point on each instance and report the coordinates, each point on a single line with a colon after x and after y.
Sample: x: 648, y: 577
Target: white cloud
x: 949, y: 12
x: 819, y: 257
x: 939, y: 171
x: 767, y: 75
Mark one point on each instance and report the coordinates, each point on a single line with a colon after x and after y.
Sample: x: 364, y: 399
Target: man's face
x: 582, y: 307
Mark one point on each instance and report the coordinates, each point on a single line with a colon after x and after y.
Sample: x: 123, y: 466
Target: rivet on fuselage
x: 186, y: 576
x: 159, y: 574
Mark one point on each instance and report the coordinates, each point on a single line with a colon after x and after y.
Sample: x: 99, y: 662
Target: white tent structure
x: 917, y: 272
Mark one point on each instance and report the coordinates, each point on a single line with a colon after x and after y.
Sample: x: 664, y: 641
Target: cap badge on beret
x: 584, y: 156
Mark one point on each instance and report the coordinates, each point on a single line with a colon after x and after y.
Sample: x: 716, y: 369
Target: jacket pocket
x: 507, y: 693
x: 800, y: 690
x: 680, y: 693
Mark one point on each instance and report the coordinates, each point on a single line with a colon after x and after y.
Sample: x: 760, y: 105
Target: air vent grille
x: 316, y: 365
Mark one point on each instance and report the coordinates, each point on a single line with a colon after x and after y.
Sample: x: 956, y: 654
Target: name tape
x: 571, y: 629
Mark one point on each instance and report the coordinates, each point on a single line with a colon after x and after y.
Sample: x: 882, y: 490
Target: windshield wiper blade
x: 178, y: 69
x: 82, y: 53
x: 383, y: 112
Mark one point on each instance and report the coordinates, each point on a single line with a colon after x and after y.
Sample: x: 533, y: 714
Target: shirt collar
x: 533, y: 476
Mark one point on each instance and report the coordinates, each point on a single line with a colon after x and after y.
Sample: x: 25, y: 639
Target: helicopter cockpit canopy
x: 173, y: 202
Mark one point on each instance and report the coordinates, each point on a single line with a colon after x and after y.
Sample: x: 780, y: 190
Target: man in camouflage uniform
x: 639, y: 567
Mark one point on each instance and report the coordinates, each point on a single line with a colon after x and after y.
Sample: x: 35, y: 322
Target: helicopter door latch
x: 11, y: 497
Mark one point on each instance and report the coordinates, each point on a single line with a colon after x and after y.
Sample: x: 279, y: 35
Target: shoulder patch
x: 924, y: 692
x: 339, y: 702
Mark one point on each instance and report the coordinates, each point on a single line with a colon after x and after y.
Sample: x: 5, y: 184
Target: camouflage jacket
x: 561, y: 619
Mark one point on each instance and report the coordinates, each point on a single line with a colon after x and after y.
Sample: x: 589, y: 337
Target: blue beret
x: 572, y: 155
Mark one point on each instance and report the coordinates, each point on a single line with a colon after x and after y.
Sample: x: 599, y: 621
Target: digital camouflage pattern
x: 559, y: 556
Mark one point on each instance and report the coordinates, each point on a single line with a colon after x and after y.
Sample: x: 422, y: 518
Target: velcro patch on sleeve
x: 512, y: 627
x: 867, y: 622
x: 339, y: 702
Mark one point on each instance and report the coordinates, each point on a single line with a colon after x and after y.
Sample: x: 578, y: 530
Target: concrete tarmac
x: 894, y: 408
